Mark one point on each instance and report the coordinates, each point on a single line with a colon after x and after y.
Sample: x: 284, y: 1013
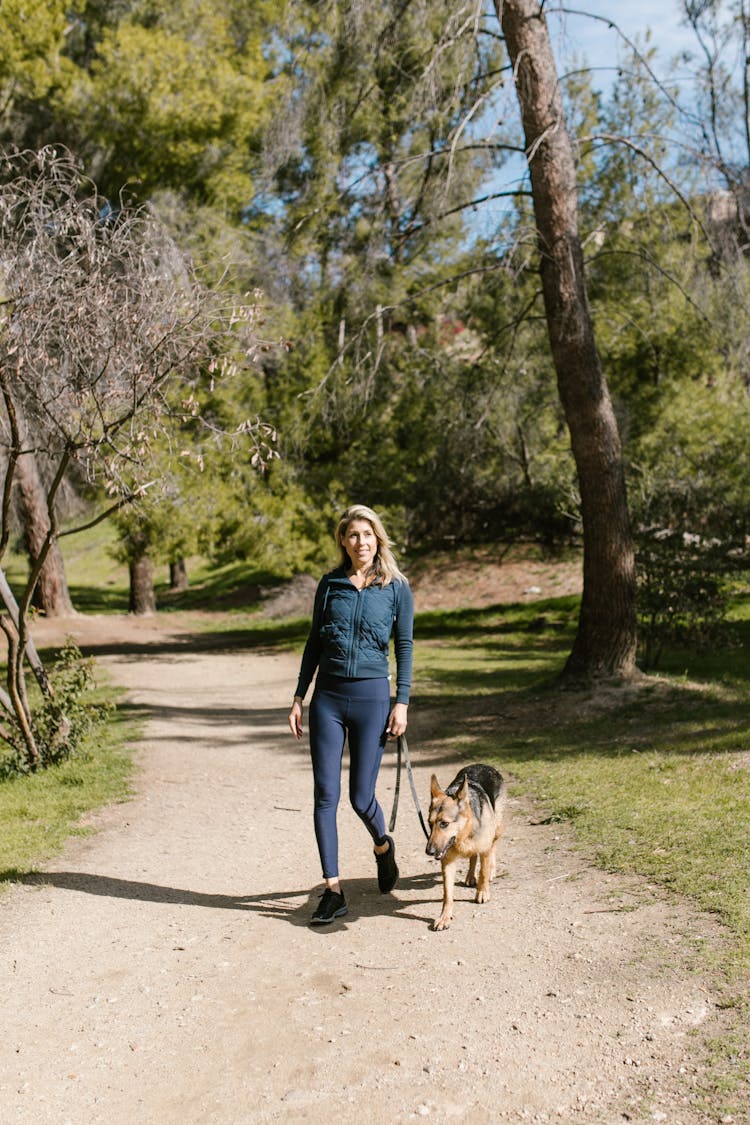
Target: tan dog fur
x: 466, y: 825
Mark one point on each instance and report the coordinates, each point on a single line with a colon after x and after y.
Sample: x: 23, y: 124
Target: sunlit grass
x: 656, y: 777
x: 39, y: 812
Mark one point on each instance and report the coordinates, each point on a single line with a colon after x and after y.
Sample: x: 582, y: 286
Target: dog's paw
x: 470, y: 881
x: 442, y: 923
x: 483, y: 894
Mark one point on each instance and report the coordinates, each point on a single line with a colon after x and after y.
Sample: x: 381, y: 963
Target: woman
x: 358, y: 607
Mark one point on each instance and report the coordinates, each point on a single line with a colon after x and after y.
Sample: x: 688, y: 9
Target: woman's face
x: 360, y: 543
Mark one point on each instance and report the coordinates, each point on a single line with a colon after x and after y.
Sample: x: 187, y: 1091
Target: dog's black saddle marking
x: 485, y: 784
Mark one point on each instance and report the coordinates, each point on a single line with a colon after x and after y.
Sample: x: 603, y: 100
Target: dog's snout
x: 430, y: 849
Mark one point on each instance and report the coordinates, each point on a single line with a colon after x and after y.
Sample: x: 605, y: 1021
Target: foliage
x: 683, y: 593
x: 39, y: 812
x: 690, y: 499
x: 150, y: 97
x: 169, y: 97
x: 105, y: 333
x: 65, y: 721
x: 32, y: 63
x: 379, y: 398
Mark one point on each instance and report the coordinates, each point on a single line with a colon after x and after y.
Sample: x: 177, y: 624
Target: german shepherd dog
x: 466, y: 820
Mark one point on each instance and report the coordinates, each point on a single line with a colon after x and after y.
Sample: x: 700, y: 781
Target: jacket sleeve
x: 313, y: 647
x: 403, y: 641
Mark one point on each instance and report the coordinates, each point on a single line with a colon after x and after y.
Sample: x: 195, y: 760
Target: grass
x: 654, y: 777
x: 39, y: 812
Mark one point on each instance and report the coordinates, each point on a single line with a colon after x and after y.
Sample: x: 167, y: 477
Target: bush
x: 63, y: 721
x: 683, y: 592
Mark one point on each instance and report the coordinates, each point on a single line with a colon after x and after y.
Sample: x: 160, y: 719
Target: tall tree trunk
x: 178, y: 578
x: 142, y: 596
x: 605, y: 642
x: 51, y: 594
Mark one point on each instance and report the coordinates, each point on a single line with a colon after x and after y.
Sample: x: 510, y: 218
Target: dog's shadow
x: 362, y: 898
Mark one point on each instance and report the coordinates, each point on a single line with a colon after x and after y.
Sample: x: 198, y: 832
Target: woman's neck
x: 360, y: 576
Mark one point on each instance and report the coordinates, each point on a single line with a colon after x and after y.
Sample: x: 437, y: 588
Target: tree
x: 32, y: 64
x: 167, y: 97
x: 104, y: 332
x: 372, y: 176
x: 605, y: 643
x: 51, y: 594
x: 722, y: 33
x: 381, y: 270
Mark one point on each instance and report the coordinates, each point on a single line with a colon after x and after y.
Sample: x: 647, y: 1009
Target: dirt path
x: 163, y: 970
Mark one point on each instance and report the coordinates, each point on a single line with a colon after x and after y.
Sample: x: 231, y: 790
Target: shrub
x: 64, y: 719
x: 683, y: 592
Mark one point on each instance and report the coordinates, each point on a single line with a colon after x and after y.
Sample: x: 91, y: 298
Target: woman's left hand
x: 397, y: 720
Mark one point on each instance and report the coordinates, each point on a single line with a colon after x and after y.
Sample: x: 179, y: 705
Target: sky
x: 599, y: 42
x: 599, y: 46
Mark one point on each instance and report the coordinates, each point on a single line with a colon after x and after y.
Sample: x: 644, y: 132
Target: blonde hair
x: 384, y: 568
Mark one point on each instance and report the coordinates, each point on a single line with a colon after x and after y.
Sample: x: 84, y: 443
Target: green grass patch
x: 654, y: 778
x: 96, y: 582
x: 476, y: 651
x: 666, y: 810
x: 99, y: 585
x: 39, y: 812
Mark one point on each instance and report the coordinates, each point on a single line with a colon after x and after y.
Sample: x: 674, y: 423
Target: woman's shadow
x: 293, y: 906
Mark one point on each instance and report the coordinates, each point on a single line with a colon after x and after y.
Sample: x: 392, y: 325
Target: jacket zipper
x: 354, y: 647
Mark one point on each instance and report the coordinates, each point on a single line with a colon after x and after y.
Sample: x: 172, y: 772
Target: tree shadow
x: 260, y: 640
x: 500, y: 618
x: 215, y: 728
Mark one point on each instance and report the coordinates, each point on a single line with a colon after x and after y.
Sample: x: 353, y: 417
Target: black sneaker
x: 332, y: 905
x: 387, y: 869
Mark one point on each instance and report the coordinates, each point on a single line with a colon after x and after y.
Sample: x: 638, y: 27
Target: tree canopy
x: 355, y: 167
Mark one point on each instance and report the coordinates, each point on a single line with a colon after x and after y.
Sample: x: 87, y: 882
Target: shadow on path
x: 362, y: 902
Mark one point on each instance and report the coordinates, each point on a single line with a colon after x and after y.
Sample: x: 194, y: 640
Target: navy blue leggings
x: 358, y: 709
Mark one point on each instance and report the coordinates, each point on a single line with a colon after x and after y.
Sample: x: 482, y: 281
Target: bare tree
x: 605, y: 643
x: 103, y: 331
x: 719, y: 126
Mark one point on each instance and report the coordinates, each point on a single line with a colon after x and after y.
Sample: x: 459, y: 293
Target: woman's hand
x: 295, y: 718
x: 397, y: 720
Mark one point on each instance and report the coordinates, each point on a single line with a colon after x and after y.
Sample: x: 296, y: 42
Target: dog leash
x: 402, y: 750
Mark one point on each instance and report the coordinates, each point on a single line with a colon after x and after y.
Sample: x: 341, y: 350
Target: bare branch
x: 631, y: 45
x: 102, y: 321
x: 627, y: 142
x: 642, y: 256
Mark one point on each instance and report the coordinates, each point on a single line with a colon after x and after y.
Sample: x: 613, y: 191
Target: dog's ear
x: 463, y: 792
x: 435, y: 789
